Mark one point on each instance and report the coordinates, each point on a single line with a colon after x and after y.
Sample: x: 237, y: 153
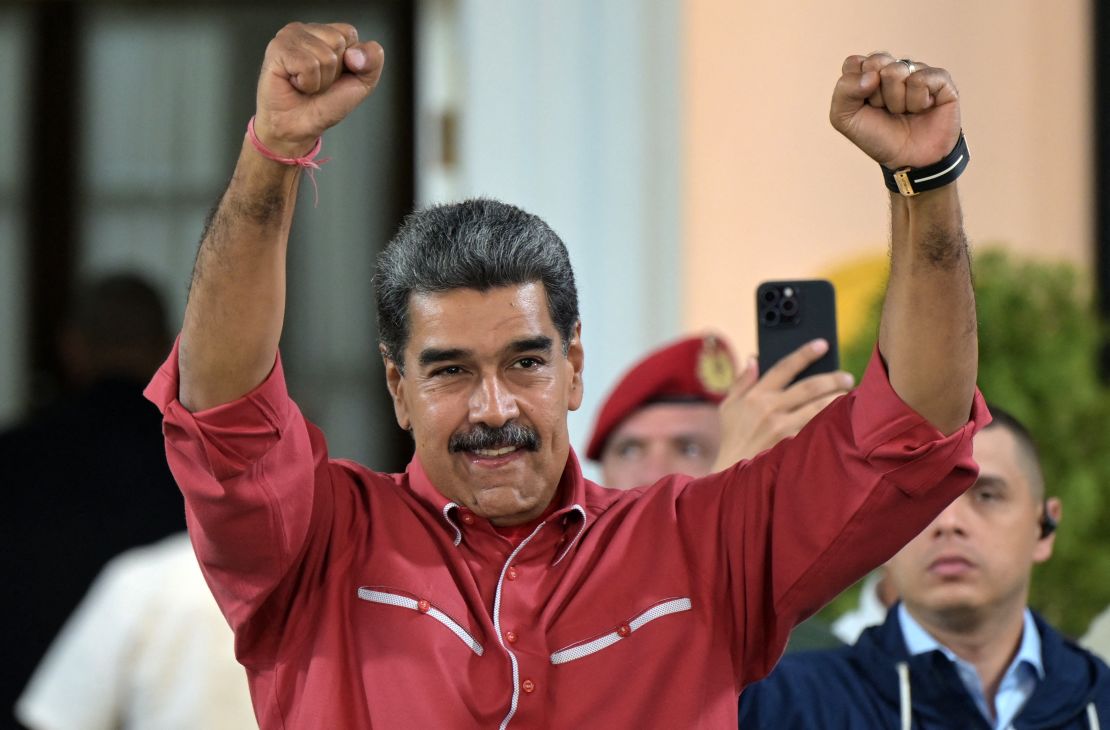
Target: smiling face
x: 485, y: 390
x: 661, y: 439
x: 975, y: 559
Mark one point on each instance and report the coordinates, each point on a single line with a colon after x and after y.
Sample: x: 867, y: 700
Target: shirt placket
x: 514, y: 621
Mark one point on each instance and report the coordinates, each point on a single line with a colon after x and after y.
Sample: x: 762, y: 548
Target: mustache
x: 483, y: 437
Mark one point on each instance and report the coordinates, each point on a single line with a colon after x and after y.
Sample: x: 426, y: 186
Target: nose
x: 951, y: 521
x: 657, y: 464
x: 492, y: 403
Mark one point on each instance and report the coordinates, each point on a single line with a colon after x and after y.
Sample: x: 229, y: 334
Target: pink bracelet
x: 308, y: 161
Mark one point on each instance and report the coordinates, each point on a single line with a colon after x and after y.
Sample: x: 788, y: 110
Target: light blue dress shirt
x: 1018, y: 683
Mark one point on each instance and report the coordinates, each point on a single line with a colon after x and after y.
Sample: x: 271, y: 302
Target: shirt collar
x: 920, y: 641
x: 1030, y: 649
x: 571, y: 492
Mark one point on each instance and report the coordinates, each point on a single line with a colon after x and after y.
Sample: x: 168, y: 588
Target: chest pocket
x: 388, y: 597
x: 624, y: 631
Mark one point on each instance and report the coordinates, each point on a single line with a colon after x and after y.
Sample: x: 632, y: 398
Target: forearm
x: 236, y: 305
x: 312, y: 77
x: 928, y: 333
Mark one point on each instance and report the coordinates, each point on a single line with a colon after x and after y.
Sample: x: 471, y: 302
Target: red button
x: 510, y: 636
x: 624, y: 630
x: 422, y: 606
x: 512, y: 573
x: 467, y: 518
x: 528, y: 686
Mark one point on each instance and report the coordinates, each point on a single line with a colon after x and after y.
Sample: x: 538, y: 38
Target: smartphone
x: 790, y: 314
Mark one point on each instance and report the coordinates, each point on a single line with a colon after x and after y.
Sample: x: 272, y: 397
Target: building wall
x: 771, y: 190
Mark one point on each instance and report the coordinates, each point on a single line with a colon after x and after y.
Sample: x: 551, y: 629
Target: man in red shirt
x: 491, y: 585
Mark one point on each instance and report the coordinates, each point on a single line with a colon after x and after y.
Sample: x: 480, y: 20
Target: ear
x: 395, y: 381
x: 885, y: 589
x: 576, y: 360
x: 1042, y: 551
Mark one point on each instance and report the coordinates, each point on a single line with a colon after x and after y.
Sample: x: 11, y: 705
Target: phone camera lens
x: 770, y: 295
x: 770, y: 317
x: 789, y: 306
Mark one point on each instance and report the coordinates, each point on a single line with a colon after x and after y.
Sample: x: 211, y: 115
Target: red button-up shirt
x: 363, y: 600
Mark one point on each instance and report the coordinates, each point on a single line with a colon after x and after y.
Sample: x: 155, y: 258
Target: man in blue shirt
x: 961, y: 649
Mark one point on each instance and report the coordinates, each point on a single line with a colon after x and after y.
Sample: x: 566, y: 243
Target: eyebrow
x: 540, y: 343
x: 433, y: 355
x: 991, y: 480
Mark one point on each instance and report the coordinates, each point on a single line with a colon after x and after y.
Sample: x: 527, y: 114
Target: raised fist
x: 900, y: 112
x: 312, y: 77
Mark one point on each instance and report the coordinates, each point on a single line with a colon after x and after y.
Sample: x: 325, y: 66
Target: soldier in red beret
x: 683, y: 409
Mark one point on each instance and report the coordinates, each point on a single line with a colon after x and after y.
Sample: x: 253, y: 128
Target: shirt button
x: 467, y: 518
x: 512, y: 573
x: 510, y: 636
x: 528, y: 686
x: 624, y: 631
x: 422, y: 606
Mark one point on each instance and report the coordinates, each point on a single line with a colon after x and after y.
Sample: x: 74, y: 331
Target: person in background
x: 662, y: 417
x: 961, y: 649
x: 683, y: 409
x: 147, y: 649
x: 85, y: 477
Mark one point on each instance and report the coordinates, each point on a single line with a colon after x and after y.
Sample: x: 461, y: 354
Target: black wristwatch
x: 909, y: 181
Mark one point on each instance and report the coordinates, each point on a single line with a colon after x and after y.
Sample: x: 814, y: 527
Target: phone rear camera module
x: 779, y: 305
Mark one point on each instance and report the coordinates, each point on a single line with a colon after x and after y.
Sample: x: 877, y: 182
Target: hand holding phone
x: 792, y: 313
x: 796, y: 375
x: 762, y: 409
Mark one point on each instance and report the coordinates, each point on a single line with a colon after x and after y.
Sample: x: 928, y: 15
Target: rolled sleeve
x: 226, y: 439
x: 248, y: 470
x: 899, y: 442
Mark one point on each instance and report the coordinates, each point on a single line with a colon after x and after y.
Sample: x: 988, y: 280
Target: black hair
x: 474, y: 244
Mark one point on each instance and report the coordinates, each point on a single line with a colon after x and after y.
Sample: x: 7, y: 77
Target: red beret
x: 694, y: 368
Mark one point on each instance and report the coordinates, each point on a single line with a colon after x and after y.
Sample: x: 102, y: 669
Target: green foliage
x: 1039, y: 337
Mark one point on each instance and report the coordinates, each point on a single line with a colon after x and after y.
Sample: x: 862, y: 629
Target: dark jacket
x: 80, y: 482
x: 859, y: 687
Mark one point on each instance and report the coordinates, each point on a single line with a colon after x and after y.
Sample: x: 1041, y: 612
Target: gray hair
x: 474, y: 244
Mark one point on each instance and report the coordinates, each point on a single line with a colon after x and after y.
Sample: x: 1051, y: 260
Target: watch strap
x: 909, y: 181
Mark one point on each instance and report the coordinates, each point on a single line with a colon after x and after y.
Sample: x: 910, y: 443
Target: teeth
x: 496, y: 452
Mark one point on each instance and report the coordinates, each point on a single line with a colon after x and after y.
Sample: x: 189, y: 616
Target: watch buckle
x: 905, y: 185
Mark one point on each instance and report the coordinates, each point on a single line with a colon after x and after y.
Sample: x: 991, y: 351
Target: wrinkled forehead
x: 478, y: 320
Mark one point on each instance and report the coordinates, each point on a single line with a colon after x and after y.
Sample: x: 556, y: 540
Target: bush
x: 1039, y: 338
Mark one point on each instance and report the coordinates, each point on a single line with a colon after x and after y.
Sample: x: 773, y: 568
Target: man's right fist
x: 313, y: 76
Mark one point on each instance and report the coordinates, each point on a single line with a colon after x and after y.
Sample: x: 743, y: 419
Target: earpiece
x: 1048, y: 525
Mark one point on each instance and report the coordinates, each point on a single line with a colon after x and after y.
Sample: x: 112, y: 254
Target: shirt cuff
x: 911, y: 451
x: 226, y: 438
